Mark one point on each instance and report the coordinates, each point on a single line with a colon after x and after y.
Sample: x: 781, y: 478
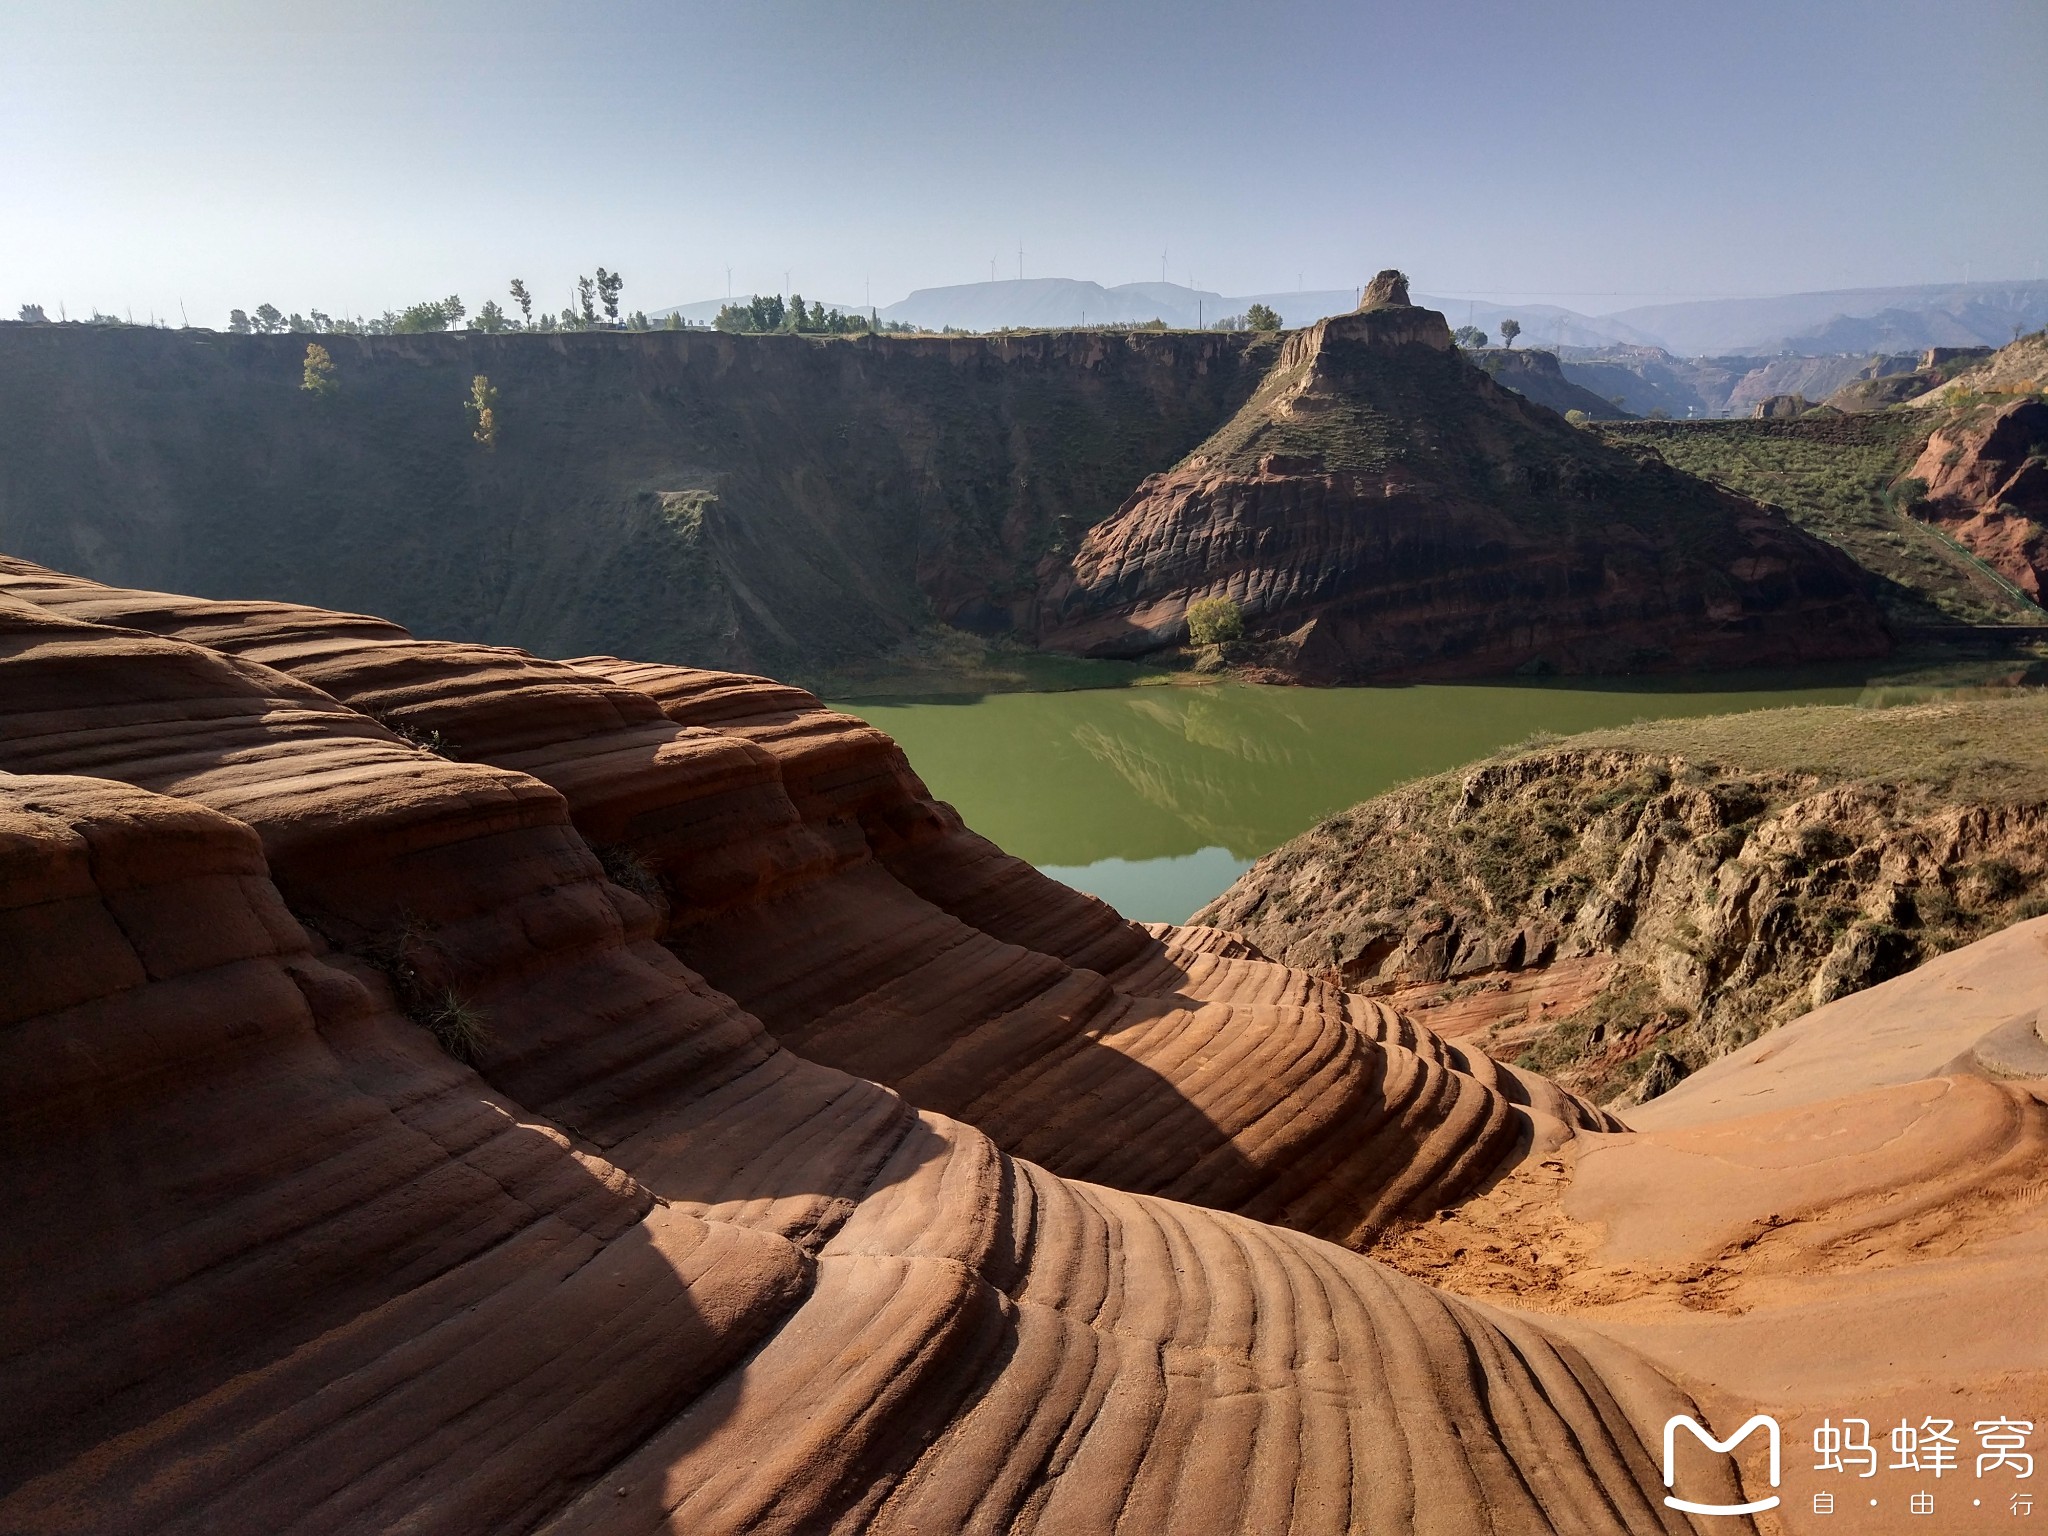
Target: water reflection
x: 1156, y: 798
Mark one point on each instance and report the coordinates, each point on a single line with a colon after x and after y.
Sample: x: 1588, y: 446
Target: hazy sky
x: 357, y: 155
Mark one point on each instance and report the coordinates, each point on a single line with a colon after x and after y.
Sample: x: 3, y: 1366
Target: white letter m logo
x: 1723, y: 1446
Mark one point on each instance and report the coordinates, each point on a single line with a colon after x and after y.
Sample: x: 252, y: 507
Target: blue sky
x: 364, y: 154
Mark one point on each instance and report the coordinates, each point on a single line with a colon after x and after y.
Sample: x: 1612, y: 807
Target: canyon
x: 449, y: 1089
x: 812, y: 506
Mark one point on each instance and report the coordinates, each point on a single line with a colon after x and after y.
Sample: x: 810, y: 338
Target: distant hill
x: 2020, y: 368
x: 1382, y: 508
x: 1058, y: 302
x: 1846, y: 320
x: 1849, y: 320
x: 1064, y: 303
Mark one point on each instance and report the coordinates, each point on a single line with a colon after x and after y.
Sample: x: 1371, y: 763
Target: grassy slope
x: 1831, y: 475
x: 1987, y: 749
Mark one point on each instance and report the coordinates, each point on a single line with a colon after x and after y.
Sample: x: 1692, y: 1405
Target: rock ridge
x: 384, y: 1161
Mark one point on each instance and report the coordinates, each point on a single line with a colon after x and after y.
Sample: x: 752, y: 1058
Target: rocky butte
x: 447, y: 1090
x: 1382, y: 508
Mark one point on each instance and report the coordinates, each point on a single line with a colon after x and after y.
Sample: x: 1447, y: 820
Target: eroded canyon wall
x: 765, y: 501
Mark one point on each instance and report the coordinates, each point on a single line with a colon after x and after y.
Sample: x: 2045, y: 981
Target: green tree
x: 608, y: 286
x: 430, y: 315
x: 32, y: 314
x: 794, y: 317
x: 675, y: 322
x: 1469, y: 337
x: 585, y: 289
x: 1214, y: 621
x: 758, y: 314
x: 1262, y: 317
x: 238, y: 323
x: 524, y: 300
x: 452, y: 308
x: 319, y: 376
x: 267, y: 319
x: 482, y: 406
x: 491, y: 320
x: 1509, y: 330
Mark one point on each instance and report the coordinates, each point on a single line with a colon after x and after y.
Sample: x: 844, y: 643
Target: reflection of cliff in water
x: 1214, y: 762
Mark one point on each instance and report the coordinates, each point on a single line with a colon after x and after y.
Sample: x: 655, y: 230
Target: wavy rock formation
x: 1381, y: 508
x: 446, y: 1090
x: 1986, y: 474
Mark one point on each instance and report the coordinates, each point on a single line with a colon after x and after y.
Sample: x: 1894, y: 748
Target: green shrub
x: 319, y: 372
x: 1907, y: 494
x: 456, y: 1025
x: 1214, y: 621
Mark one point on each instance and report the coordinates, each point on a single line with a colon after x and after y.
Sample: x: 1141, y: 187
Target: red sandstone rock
x: 859, y: 921
x: 279, y: 1263
x: 1987, y: 488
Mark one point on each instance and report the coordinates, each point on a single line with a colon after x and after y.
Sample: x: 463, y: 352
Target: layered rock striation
x: 1986, y: 478
x: 447, y: 1090
x: 1381, y: 508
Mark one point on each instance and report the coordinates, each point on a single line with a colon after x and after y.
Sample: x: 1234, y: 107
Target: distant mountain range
x: 1849, y: 320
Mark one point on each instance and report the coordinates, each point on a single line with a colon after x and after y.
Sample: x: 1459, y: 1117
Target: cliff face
x: 450, y: 1090
x: 767, y: 501
x: 1380, y: 508
x: 1986, y: 473
x: 1621, y: 912
x: 1535, y: 375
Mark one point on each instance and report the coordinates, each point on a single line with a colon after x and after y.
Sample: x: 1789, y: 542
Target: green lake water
x: 1157, y: 798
